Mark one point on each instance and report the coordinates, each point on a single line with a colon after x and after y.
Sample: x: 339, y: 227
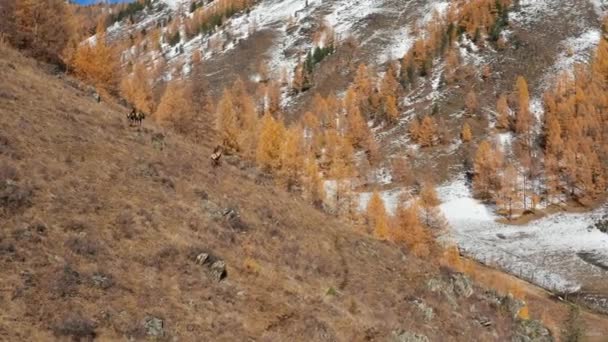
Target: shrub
x: 574, y: 330
x: 601, y: 224
x: 76, y: 327
x: 66, y: 282
x: 83, y: 247
x: 174, y: 38
x: 14, y: 197
x: 8, y: 172
x: 42, y: 28
x: 252, y: 266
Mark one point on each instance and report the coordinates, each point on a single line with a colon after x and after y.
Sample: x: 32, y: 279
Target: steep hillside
x: 105, y: 227
x: 358, y: 135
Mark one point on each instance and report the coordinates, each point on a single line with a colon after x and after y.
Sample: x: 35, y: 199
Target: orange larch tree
x: 502, y: 109
x: 175, y: 107
x: 137, y: 89
x: 227, y: 123
x: 377, y: 216
x: 272, y: 136
x: 409, y: 230
x: 486, y: 165
x: 472, y: 103
x: 98, y: 62
x: 466, y: 134
x: 524, y: 120
x: 291, y: 157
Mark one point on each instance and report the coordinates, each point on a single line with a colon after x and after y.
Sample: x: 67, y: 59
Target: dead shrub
x: 236, y: 223
x: 7, y: 248
x: 66, y: 282
x: 32, y: 233
x: 84, y: 247
x: 155, y: 171
x: 6, y: 148
x: 201, y: 194
x: 265, y: 213
x: 147, y: 218
x: 75, y: 327
x: 76, y: 226
x: 166, y: 182
x: 8, y: 172
x: 125, y: 224
x: 252, y: 266
x: 167, y: 255
x: 102, y: 280
x: 574, y: 329
x: 151, y: 170
x: 14, y: 197
x: 233, y: 220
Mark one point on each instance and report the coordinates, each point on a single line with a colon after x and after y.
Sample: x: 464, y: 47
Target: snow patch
x: 400, y: 43
x: 349, y: 12
x: 505, y: 140
x: 439, y: 7
x: 531, y: 11
x: 543, y: 251
x: 577, y: 50
x: 600, y: 6
x: 177, y: 4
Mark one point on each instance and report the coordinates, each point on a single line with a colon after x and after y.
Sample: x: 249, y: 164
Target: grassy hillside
x: 102, y: 224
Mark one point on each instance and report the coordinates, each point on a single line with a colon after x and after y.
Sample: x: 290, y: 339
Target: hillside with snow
x: 541, y: 39
x: 314, y: 170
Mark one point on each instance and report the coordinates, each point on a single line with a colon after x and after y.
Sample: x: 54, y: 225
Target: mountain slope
x: 540, y: 41
x: 103, y: 224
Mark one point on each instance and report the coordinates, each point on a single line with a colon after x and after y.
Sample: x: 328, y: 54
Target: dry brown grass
x: 114, y: 223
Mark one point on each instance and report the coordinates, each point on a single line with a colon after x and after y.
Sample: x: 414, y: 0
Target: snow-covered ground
x: 400, y: 43
x: 600, y: 6
x: 176, y: 4
x: 578, y: 49
x: 574, y: 50
x: 545, y: 251
x: 346, y: 14
x: 534, y: 10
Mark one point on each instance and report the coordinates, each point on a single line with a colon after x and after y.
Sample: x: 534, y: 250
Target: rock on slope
x: 111, y: 231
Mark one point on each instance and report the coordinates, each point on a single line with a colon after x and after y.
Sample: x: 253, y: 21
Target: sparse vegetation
x: 206, y: 19
x: 84, y: 194
x: 573, y: 330
x: 45, y: 29
x: 14, y: 196
x: 76, y: 328
x: 602, y: 224
x: 128, y: 11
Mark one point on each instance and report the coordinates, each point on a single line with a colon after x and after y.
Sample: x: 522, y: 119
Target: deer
x: 136, y: 116
x: 216, y: 156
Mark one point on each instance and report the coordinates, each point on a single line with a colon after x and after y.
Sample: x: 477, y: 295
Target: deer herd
x: 136, y: 117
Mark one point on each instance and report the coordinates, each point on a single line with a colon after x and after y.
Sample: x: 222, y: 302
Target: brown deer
x: 135, y: 116
x: 216, y: 156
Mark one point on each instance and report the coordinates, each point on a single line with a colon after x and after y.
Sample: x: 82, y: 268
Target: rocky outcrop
x: 457, y: 286
x: 154, y: 326
x: 462, y: 285
x: 531, y: 331
x: 213, y: 266
x: 408, y: 336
